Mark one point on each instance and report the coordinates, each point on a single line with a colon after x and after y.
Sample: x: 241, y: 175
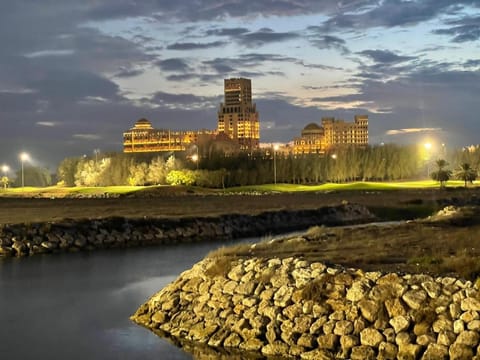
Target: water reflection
x: 77, y: 306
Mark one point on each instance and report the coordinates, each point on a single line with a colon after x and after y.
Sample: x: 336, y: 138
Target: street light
x: 275, y: 149
x: 23, y: 157
x: 5, y: 169
x: 96, y: 152
x: 195, y: 157
x: 428, y: 147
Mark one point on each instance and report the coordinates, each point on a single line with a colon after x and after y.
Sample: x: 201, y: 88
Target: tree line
x: 389, y: 162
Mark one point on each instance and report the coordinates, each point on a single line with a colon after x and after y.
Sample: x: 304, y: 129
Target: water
x: 77, y: 306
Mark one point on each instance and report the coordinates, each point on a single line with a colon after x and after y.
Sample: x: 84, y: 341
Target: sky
x: 74, y: 75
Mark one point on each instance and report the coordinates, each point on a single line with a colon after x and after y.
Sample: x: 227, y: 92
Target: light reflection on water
x: 77, y: 306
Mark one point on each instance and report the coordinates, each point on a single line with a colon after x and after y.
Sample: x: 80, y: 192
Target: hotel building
x: 316, y: 139
x: 144, y: 138
x: 238, y: 116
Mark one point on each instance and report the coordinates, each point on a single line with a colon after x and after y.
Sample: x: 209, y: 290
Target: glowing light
x: 428, y: 146
x: 194, y: 157
x: 24, y: 156
x: 334, y: 156
x: 5, y: 168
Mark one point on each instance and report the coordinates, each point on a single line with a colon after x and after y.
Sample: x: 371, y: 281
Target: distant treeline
x: 373, y: 163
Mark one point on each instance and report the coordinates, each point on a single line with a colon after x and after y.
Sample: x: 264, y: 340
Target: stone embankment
x: 291, y: 308
x: 91, y: 234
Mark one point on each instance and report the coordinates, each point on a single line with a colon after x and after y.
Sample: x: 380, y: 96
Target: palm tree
x: 466, y: 173
x: 442, y: 175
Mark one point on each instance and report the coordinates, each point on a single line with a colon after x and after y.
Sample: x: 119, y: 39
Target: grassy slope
x: 365, y: 186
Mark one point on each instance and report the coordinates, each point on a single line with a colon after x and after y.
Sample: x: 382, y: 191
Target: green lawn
x: 374, y: 186
x: 371, y: 186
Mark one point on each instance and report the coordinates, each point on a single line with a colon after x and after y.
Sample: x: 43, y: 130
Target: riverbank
x: 278, y: 298
x: 177, y: 202
x: 94, y: 234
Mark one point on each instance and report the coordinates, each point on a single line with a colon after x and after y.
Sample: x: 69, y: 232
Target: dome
x: 143, y: 124
x: 312, y: 126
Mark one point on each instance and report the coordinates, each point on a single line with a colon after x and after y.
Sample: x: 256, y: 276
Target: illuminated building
x: 316, y: 139
x: 237, y: 115
x: 144, y: 138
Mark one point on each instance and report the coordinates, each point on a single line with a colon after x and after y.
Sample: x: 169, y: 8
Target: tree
x: 4, y: 180
x: 466, y: 173
x: 138, y: 174
x: 441, y: 175
x: 181, y: 177
x: 157, y: 171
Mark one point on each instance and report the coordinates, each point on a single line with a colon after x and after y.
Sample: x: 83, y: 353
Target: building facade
x: 144, y: 138
x: 316, y: 139
x: 238, y: 116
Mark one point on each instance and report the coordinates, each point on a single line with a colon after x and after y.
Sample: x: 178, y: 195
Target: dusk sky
x: 74, y: 75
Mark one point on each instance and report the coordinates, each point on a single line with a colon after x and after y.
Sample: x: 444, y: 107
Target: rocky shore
x: 117, y: 232
x: 292, y: 308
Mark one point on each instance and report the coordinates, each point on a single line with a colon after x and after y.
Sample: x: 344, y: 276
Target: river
x: 77, y: 306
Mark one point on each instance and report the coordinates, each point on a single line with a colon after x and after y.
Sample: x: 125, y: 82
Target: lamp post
x: 275, y: 149
x: 96, y: 152
x: 23, y: 157
x: 428, y: 147
x: 195, y: 157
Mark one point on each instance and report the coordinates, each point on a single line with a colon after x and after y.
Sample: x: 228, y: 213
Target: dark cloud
x: 385, y: 56
x: 127, y: 73
x: 391, y: 13
x: 173, y: 64
x: 183, y: 100
x: 227, y: 31
x: 427, y: 97
x: 195, y: 46
x: 265, y: 36
x: 462, y: 30
x: 321, y: 41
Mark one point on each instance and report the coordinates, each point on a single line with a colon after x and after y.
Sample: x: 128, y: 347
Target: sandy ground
x: 19, y: 210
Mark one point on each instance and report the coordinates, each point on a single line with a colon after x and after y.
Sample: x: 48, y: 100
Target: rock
x: 470, y: 303
x: 387, y: 351
x: 409, y: 351
x: 358, y: 290
x: 369, y: 309
x: 460, y: 352
x: 435, y: 352
x: 371, y: 337
x: 278, y: 348
x: 317, y: 354
x: 362, y: 352
x: 415, y: 298
x: 468, y: 338
x: 400, y: 323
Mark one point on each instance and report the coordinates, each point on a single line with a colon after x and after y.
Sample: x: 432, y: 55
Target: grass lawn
x: 56, y: 191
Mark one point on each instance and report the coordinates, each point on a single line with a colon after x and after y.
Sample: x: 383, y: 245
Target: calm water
x: 77, y: 306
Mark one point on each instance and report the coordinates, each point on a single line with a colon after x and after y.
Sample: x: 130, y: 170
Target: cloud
x: 88, y: 137
x: 195, y: 46
x: 462, y: 30
x: 127, y: 73
x: 183, y: 101
x: 385, y: 56
x: 411, y: 130
x: 264, y: 36
x: 46, y: 123
x: 173, y: 64
x: 321, y: 41
x: 227, y: 31
x: 393, y: 13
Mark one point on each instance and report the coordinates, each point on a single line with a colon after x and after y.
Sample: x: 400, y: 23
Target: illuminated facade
x: 317, y: 139
x: 144, y: 138
x: 237, y: 115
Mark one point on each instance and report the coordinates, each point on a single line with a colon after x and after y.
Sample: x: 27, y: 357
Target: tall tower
x: 238, y: 116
